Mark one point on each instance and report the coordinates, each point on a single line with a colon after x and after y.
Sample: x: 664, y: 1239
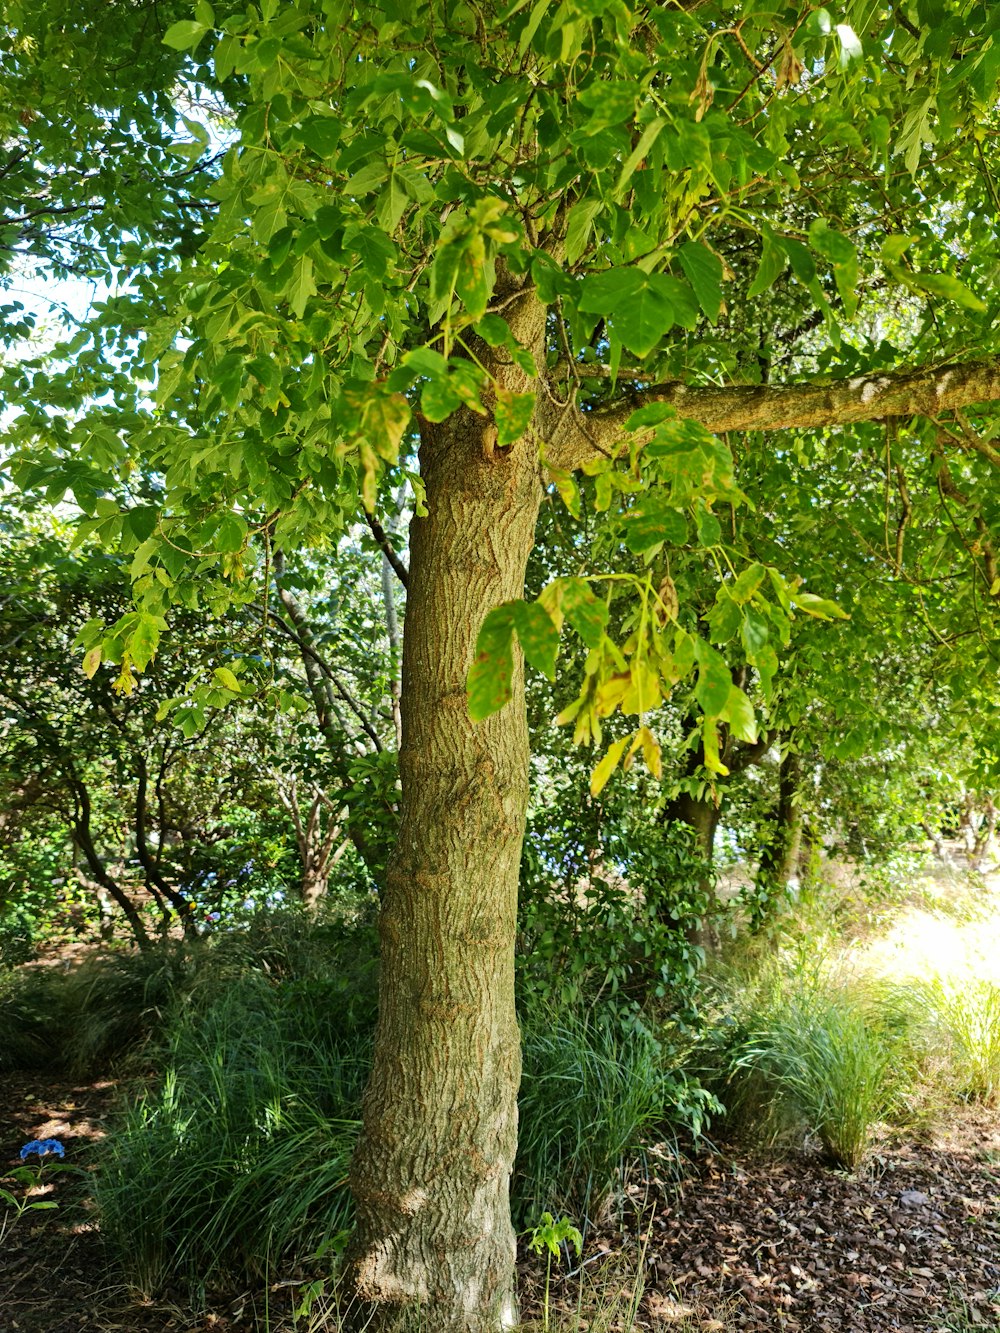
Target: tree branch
x: 574, y: 436
x: 379, y: 533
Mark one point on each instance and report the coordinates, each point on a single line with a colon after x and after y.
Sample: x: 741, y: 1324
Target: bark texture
x: 931, y: 391
x: 431, y: 1176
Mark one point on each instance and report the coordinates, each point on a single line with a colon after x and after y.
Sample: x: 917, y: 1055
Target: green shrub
x: 30, y: 1024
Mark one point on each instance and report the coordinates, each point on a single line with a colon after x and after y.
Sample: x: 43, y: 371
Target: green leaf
x: 538, y: 636
x: 944, y: 285
x: 231, y: 533
x: 602, y: 293
x: 321, y: 134
x: 650, y: 415
x: 704, y: 272
x: 471, y: 284
x: 724, y: 619
x: 714, y: 680
x: 144, y: 640
x: 586, y: 613
x: 438, y: 399
x: 643, y: 305
x: 184, y: 34
x: 850, y: 45
x: 579, y: 225
x: 488, y: 686
x: 652, y: 521
x: 773, y: 259
x: 227, y: 679
x: 740, y: 716
x: 646, y: 140
x: 754, y: 632
x: 832, y: 245
x: 821, y: 607
x: 918, y: 129
x: 302, y: 286
x: 709, y: 527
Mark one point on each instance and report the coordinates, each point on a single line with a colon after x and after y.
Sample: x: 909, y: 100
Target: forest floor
x: 911, y: 1242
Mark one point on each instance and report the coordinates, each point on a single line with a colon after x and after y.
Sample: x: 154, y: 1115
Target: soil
x: 911, y: 1242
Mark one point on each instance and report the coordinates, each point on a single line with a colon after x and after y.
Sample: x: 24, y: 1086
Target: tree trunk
x: 84, y: 840
x: 432, y: 1171
x: 780, y: 858
x: 701, y: 815
x: 159, y: 888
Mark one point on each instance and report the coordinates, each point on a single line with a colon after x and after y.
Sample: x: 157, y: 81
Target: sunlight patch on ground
x: 923, y: 943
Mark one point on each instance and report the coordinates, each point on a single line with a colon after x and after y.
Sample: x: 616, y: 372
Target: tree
x: 511, y: 228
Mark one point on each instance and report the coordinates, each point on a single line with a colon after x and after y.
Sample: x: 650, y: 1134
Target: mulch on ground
x: 896, y: 1247
x: 742, y: 1243
x: 784, y: 1243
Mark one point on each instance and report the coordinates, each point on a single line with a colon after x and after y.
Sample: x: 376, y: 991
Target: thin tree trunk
x: 780, y: 858
x: 84, y: 840
x: 431, y: 1175
x: 155, y: 881
x: 984, y: 834
x: 392, y: 633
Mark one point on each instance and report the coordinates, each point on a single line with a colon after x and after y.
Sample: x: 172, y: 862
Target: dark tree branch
x: 298, y: 632
x: 379, y: 533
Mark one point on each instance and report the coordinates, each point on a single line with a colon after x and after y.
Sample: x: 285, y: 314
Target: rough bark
x: 574, y: 436
x: 431, y: 1177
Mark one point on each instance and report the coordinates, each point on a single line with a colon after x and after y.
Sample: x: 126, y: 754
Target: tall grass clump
x: 958, y: 1023
x: 809, y: 1052
x: 238, y: 1156
x: 591, y: 1092
x: 30, y: 1026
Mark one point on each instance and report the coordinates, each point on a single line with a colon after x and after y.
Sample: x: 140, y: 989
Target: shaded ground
x: 916, y: 1234
x: 910, y: 1243
x: 742, y: 1244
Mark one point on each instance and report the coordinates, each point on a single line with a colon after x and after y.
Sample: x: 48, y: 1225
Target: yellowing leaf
x: 91, y: 662
x: 643, y: 692
x: 610, y: 694
x: 651, y: 752
x: 227, y: 679
x: 369, y: 475
x: 710, y: 743
x: 603, y: 771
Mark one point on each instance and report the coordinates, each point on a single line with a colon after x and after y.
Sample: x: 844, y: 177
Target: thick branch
x: 574, y: 437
